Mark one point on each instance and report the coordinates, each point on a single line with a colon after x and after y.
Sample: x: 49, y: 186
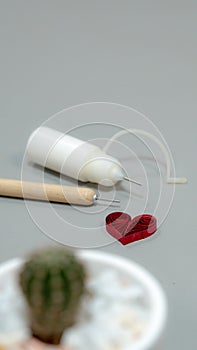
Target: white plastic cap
x: 73, y: 157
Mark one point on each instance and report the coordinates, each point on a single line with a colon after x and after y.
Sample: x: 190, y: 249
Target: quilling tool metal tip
x: 98, y: 198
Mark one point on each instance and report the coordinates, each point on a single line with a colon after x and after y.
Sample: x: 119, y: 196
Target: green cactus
x: 53, y: 282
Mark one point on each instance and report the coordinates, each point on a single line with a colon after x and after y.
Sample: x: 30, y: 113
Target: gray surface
x: 56, y: 54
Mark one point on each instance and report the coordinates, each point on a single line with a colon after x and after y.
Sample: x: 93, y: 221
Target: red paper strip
x: 127, y: 230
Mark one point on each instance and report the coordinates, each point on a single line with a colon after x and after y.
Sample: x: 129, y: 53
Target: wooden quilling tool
x: 50, y: 192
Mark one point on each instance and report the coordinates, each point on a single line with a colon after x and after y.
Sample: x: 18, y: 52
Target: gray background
x: 56, y: 54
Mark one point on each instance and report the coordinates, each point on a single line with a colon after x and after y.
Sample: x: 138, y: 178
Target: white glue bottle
x: 73, y: 157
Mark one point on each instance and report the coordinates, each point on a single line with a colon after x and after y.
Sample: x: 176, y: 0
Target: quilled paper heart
x: 127, y: 230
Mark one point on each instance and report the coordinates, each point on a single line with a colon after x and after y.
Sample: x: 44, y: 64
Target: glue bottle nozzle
x: 131, y: 180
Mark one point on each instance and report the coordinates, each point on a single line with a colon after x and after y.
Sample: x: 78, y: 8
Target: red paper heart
x: 127, y: 230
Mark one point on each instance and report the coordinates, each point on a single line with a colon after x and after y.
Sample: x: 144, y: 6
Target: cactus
x: 53, y: 283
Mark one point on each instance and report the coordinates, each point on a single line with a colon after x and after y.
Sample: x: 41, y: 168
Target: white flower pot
x: 96, y: 262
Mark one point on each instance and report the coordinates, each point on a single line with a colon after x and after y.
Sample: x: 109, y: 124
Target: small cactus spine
x: 53, y: 282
